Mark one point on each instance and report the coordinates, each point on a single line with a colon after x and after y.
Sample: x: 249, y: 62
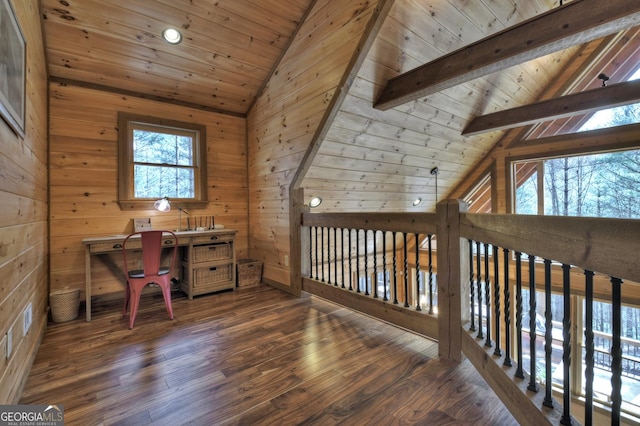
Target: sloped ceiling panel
x: 374, y: 160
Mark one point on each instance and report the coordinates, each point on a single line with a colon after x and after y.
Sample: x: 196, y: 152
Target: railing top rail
x: 421, y: 223
x: 608, y: 246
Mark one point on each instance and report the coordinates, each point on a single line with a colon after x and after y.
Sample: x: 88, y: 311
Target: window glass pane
x: 526, y: 178
x: 160, y: 181
x: 162, y: 148
x: 599, y: 185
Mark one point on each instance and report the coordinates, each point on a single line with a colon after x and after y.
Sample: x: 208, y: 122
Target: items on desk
x: 142, y: 224
x: 201, y: 223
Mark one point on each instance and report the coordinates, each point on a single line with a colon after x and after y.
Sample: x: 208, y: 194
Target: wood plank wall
x: 23, y: 216
x: 84, y: 178
x: 283, y: 120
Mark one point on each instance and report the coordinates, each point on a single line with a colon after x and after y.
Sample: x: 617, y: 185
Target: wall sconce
x: 416, y: 202
x: 315, y: 202
x: 164, y: 205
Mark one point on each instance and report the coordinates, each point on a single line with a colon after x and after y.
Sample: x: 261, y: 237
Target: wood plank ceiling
x: 228, y: 51
x: 377, y: 160
x: 370, y: 159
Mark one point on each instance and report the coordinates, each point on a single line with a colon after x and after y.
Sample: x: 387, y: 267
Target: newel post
x: 453, y: 274
x: 298, y: 243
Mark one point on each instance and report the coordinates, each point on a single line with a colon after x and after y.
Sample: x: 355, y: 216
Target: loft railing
x: 375, y: 264
x: 544, y: 332
x: 574, y: 262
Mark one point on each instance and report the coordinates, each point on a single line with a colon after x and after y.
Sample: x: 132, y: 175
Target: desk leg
x: 87, y: 280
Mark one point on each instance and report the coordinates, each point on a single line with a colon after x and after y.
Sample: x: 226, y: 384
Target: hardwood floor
x: 252, y: 356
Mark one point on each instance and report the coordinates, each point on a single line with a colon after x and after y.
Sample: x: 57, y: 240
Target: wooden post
x: 296, y: 208
x: 453, y: 274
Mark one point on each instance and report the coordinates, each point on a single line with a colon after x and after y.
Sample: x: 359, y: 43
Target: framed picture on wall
x: 12, y: 69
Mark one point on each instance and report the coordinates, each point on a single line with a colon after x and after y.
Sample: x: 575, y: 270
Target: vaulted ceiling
x: 228, y: 52
x: 369, y: 159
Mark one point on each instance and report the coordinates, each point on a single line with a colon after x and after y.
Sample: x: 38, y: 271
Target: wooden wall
x: 283, y: 120
x: 84, y: 178
x: 23, y: 216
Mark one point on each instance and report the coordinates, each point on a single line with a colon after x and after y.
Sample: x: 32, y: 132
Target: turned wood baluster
x: 357, y: 261
x: 366, y: 263
x: 316, y: 251
x: 329, y: 255
x: 395, y: 271
x: 384, y: 264
x: 375, y: 266
x: 335, y: 256
x: 342, y: 257
x: 406, y: 271
x: 322, y: 252
x: 350, y: 269
x: 311, y: 252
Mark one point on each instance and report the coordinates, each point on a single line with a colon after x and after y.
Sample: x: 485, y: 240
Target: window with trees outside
x: 596, y: 185
x: 161, y: 158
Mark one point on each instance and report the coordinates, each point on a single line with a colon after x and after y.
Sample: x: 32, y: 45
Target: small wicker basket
x: 249, y: 272
x: 64, y: 304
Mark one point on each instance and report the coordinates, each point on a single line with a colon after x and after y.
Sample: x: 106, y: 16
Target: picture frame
x: 12, y: 69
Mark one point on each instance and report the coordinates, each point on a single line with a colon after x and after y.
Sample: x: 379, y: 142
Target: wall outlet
x: 286, y: 260
x: 27, y: 318
x: 9, y: 342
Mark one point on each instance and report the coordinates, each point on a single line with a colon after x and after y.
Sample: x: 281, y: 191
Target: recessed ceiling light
x: 315, y: 202
x: 417, y: 201
x: 171, y: 35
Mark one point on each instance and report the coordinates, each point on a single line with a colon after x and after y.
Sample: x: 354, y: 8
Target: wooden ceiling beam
x: 577, y: 22
x: 578, y: 103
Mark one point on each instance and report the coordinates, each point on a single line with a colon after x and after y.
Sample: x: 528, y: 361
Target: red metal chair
x: 152, y: 244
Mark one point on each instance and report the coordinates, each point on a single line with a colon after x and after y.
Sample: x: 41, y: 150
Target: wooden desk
x: 208, y: 263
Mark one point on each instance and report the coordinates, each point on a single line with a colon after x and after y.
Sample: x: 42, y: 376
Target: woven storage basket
x: 64, y: 305
x: 249, y: 272
x: 211, y: 252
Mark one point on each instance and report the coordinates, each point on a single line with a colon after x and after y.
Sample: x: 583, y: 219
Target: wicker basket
x: 64, y: 304
x: 249, y: 272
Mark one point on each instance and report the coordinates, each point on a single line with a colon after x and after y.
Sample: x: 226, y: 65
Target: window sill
x: 148, y: 204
